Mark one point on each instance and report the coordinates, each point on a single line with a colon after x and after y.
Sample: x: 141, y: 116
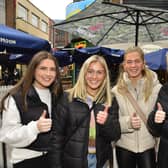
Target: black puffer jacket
x: 161, y: 130
x: 72, y: 153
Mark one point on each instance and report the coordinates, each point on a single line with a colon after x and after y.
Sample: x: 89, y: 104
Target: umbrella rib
x: 92, y: 16
x: 147, y: 29
x: 153, y: 17
x: 107, y: 32
x: 121, y: 21
x: 131, y: 12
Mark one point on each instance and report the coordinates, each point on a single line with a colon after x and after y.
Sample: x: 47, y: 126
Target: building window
x: 60, y: 35
x: 35, y: 20
x: 22, y: 12
x: 44, y: 26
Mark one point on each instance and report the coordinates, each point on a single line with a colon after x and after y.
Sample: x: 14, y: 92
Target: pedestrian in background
x: 86, y: 120
x: 27, y: 110
x: 158, y: 125
x: 136, y: 147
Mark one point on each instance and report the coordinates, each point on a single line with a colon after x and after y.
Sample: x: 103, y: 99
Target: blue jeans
x: 92, y: 161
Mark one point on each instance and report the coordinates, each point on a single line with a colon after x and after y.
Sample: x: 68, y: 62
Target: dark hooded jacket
x: 161, y: 129
x: 69, y: 144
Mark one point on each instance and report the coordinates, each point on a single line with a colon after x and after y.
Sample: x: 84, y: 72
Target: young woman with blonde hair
x: 86, y: 120
x: 136, y: 147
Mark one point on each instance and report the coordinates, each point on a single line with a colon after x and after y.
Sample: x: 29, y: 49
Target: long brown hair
x: 27, y: 80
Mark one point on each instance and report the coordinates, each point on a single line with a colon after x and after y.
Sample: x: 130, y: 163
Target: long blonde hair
x: 79, y: 89
x: 145, y: 73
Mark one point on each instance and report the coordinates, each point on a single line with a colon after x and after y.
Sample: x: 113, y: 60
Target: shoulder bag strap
x: 136, y: 106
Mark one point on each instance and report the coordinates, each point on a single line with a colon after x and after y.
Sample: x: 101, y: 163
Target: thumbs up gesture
x: 160, y: 114
x: 135, y: 121
x: 102, y: 115
x: 43, y: 123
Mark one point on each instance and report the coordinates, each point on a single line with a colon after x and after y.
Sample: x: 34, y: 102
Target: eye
x: 89, y: 71
x: 129, y: 62
x: 42, y: 68
x: 100, y: 72
x: 53, y: 69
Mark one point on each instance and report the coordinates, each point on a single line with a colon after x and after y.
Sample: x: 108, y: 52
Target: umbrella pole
x: 137, y: 29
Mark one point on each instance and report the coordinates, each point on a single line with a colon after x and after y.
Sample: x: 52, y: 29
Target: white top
x: 17, y: 135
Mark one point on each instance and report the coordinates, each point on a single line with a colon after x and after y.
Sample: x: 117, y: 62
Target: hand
x: 102, y: 115
x: 160, y: 115
x: 135, y: 121
x: 43, y: 123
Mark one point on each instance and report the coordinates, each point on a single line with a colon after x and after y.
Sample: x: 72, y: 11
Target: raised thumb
x: 106, y: 108
x: 134, y: 114
x: 43, y: 115
x: 159, y: 106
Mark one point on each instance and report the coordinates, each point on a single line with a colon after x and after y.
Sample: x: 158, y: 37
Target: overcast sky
x: 55, y: 9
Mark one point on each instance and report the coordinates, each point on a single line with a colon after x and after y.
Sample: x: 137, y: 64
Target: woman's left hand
x: 102, y: 115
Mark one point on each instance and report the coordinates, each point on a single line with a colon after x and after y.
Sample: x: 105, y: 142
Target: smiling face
x: 45, y: 73
x: 133, y: 65
x: 94, y: 77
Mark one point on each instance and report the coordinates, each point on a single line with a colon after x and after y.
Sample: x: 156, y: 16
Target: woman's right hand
x: 43, y: 123
x: 160, y: 115
x: 135, y: 121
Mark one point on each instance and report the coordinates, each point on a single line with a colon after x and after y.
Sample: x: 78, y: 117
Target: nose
x: 94, y: 75
x: 48, y: 72
x: 133, y: 63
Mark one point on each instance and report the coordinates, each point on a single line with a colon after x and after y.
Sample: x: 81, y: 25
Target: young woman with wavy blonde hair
x: 136, y: 147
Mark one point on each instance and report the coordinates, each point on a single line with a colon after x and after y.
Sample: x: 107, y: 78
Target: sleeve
x: 13, y: 132
x: 111, y: 129
x: 160, y: 129
x: 58, y: 131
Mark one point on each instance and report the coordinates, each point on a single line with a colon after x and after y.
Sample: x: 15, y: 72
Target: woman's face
x: 94, y: 77
x: 133, y: 65
x: 45, y: 73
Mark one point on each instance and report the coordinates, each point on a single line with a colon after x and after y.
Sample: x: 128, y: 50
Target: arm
x: 12, y: 131
x: 156, y: 127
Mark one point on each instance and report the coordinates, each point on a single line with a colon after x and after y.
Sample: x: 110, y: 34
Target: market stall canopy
x: 64, y: 58
x: 110, y: 55
x: 15, y: 41
x: 77, y: 56
x: 104, y: 23
x: 20, y: 58
x: 157, y: 59
x: 154, y: 60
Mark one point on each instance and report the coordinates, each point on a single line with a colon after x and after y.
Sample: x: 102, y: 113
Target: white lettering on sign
x: 7, y: 41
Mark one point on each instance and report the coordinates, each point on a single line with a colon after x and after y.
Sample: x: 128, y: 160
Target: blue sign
x: 76, y: 7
